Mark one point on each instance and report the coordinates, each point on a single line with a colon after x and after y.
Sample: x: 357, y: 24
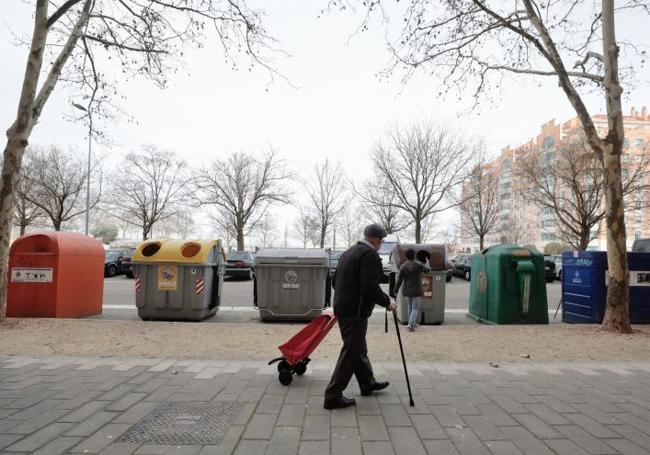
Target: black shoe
x: 374, y: 387
x: 339, y: 402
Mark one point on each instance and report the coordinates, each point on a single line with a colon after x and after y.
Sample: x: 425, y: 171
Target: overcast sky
x: 338, y: 110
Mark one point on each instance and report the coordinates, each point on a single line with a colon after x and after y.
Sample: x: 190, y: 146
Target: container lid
x: 437, y: 255
x: 304, y: 256
x: 57, y: 243
x: 515, y: 251
x: 179, y: 251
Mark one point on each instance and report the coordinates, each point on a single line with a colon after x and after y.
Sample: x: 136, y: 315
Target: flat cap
x: 375, y: 230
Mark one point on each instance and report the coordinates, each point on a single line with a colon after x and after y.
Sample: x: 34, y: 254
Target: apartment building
x: 522, y: 221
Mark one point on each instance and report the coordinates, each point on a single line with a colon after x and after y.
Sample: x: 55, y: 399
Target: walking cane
x: 401, y: 349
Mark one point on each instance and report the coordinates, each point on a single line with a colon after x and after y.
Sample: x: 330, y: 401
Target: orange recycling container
x: 55, y: 275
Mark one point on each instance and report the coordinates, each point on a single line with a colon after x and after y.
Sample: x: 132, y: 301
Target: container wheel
x: 285, y: 378
x: 300, y: 369
x: 283, y: 367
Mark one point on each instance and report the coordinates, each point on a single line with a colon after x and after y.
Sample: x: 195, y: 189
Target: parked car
x: 113, y: 261
x: 641, y: 246
x: 335, y: 255
x: 549, y: 269
x: 240, y: 264
x: 557, y: 259
x: 462, y: 266
x: 127, y: 266
x: 385, y: 251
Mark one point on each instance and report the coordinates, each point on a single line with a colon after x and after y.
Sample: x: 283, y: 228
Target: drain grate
x: 185, y: 423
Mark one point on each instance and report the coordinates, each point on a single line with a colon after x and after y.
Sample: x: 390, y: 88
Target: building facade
x: 524, y: 222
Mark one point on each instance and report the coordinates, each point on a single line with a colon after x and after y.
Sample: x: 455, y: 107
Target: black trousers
x: 353, y: 358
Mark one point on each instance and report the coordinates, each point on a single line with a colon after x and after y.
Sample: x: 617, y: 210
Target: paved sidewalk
x: 151, y: 406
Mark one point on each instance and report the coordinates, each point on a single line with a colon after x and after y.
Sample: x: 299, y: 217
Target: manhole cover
x: 185, y: 423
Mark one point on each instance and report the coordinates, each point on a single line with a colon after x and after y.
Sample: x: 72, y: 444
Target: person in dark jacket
x: 356, y: 285
x: 410, y: 274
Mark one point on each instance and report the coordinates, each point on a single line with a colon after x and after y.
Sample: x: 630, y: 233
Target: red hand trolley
x: 295, y: 352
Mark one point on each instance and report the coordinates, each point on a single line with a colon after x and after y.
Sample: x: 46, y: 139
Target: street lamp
x: 90, y: 138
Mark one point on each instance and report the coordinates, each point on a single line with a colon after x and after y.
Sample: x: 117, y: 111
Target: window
x: 639, y: 143
x: 548, y: 236
x: 637, y: 235
x: 626, y: 144
x: 547, y: 210
x: 549, y: 142
x: 548, y: 223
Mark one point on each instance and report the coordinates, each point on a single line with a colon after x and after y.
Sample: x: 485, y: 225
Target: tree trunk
x: 240, y: 239
x: 23, y: 228
x: 584, y: 241
x: 17, y: 137
x: 57, y: 225
x: 617, y: 312
x: 418, y: 230
x: 146, y: 229
x: 480, y: 242
x: 323, y: 233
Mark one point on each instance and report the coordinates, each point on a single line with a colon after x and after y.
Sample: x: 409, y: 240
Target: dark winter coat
x: 356, y: 283
x: 410, y: 274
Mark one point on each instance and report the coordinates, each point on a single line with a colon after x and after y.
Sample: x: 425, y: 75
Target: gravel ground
x: 228, y: 341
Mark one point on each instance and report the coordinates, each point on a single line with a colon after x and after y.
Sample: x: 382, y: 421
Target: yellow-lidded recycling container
x: 178, y: 280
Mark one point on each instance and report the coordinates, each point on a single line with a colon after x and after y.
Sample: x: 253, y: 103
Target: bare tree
x: 471, y: 44
x: 481, y: 204
x: 141, y: 37
x: 266, y: 230
x: 379, y: 203
x: 149, y: 188
x: 26, y: 213
x: 421, y: 165
x: 57, y: 184
x: 568, y: 184
x: 305, y: 226
x: 326, y: 188
x: 351, y: 224
x: 242, y: 189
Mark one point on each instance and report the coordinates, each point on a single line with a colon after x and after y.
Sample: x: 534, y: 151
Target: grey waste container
x: 432, y: 304
x: 291, y: 283
x: 178, y: 280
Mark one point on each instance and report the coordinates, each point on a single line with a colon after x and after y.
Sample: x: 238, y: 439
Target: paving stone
x: 40, y: 437
x: 101, y: 439
x: 633, y: 434
x: 8, y: 439
x: 428, y: 427
x: 120, y: 448
x: 260, y: 426
x: 406, y: 440
x: 466, y: 441
x: 316, y: 427
x: 596, y: 429
x: 35, y: 424
x: 525, y: 440
x: 547, y: 414
x: 314, y: 447
x: 367, y: 406
x: 497, y: 415
x: 536, y: 426
x: 395, y: 415
x: 447, y: 416
x: 585, y: 440
x: 345, y: 441
x: 58, y: 445
x: 251, y: 448
x: 152, y: 449
x: 125, y: 402
x: 483, y: 427
x: 565, y: 447
x: 372, y: 428
x: 92, y: 424
x: 440, y: 447
x: 380, y: 448
x: 136, y: 413
x: 285, y: 441
x: 270, y: 404
x: 291, y: 415
x: 502, y: 448
x: 626, y: 447
x: 185, y: 450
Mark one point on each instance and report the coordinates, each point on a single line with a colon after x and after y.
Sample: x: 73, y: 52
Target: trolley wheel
x: 300, y: 369
x: 284, y: 367
x: 286, y: 378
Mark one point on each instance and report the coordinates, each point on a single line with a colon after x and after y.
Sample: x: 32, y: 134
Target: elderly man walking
x: 356, y: 284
